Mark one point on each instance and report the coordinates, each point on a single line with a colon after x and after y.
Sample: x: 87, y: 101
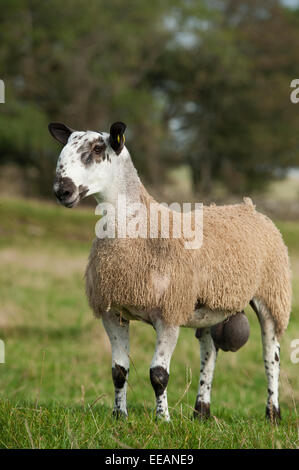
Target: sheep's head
x: 86, y: 162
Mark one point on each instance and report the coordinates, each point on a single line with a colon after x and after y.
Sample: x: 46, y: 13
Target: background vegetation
x: 202, y: 84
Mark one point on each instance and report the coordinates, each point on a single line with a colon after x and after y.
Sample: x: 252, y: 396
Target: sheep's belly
x: 202, y: 317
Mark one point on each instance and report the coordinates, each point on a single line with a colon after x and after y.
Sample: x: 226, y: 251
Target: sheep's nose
x: 64, y: 189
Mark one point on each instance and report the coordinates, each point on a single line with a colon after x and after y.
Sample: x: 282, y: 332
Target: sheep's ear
x: 60, y: 131
x: 117, y: 138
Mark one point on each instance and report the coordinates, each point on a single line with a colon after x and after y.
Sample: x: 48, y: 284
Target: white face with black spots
x: 86, y: 162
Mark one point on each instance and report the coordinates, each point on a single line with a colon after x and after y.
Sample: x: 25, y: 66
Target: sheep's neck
x: 125, y: 185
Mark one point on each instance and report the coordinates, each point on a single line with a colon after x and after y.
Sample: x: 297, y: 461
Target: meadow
x: 55, y: 385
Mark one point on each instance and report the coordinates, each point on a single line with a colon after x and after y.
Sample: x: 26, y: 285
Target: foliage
x: 229, y: 93
x: 203, y: 83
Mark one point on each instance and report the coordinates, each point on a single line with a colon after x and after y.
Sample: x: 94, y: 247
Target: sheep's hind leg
x: 271, y: 355
x: 118, y: 333
x: 159, y: 370
x: 208, y: 356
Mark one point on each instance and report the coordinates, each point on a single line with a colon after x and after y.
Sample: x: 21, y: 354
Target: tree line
x: 200, y: 83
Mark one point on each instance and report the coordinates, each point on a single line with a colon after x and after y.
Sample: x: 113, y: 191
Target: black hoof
x: 273, y: 414
x: 201, y: 411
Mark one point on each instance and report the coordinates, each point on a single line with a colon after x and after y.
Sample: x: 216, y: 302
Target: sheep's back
x: 224, y: 273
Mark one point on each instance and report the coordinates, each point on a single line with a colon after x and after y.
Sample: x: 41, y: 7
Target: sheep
x: 242, y: 261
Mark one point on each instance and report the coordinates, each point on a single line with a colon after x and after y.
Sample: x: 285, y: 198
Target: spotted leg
x: 208, y: 355
x: 118, y: 333
x: 159, y: 370
x: 271, y: 355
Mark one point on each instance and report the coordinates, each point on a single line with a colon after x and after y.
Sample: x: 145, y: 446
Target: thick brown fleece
x: 242, y: 257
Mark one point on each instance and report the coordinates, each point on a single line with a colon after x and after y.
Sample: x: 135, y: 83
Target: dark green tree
x: 228, y: 94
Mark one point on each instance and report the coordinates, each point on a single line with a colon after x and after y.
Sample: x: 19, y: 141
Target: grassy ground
x: 55, y: 386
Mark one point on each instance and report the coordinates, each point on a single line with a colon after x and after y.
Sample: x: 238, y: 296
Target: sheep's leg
x: 118, y: 332
x: 159, y: 370
x: 208, y: 356
x: 271, y: 355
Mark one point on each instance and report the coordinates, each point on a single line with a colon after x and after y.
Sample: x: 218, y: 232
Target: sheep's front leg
x: 118, y: 333
x: 208, y: 356
x: 159, y: 371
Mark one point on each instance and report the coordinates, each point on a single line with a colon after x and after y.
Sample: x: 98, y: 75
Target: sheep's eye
x: 97, y: 149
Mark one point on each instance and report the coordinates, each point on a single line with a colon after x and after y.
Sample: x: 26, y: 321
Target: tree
x: 230, y: 86
x: 202, y: 83
x: 85, y: 66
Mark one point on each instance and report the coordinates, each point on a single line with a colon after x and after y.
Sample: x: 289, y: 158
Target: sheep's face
x: 86, y: 162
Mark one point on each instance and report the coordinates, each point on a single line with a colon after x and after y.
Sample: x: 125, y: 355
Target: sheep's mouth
x: 76, y: 201
x: 73, y: 203
x: 83, y: 193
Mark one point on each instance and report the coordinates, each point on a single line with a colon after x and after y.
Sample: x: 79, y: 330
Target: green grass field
x: 55, y: 386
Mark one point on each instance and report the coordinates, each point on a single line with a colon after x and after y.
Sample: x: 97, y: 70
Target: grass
x: 55, y: 386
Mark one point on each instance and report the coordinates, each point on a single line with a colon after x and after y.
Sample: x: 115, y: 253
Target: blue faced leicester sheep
x: 241, y: 260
